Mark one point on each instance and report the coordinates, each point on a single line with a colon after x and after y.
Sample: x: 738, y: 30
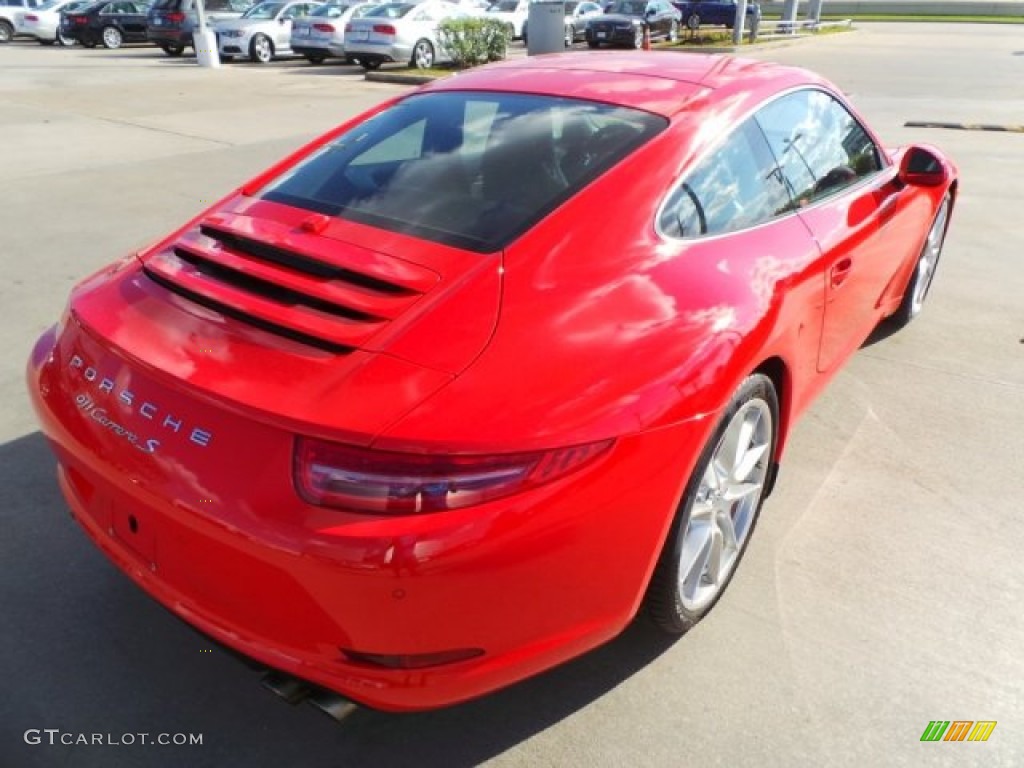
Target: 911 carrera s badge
x: 166, y: 423
x: 101, y: 417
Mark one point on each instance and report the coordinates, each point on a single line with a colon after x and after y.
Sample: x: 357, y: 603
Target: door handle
x: 840, y: 271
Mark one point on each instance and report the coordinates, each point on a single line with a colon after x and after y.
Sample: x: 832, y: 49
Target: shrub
x: 474, y: 41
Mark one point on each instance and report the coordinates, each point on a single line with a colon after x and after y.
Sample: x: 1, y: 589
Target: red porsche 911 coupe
x: 453, y: 393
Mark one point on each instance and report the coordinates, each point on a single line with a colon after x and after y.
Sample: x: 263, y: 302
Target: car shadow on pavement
x: 86, y: 652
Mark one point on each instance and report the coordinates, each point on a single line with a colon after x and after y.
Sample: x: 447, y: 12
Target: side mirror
x: 921, y: 167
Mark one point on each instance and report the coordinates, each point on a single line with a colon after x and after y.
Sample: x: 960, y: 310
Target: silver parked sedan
x: 262, y: 32
x: 400, y: 32
x: 321, y: 35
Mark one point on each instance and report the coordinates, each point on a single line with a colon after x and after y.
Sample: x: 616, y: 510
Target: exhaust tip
x: 288, y: 688
x: 331, y: 704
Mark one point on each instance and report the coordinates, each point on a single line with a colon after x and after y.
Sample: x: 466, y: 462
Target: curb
x: 401, y: 78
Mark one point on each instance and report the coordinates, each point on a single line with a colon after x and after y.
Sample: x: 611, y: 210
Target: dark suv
x: 715, y: 12
x: 170, y: 23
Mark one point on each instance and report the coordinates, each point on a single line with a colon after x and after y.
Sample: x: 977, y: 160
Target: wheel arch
x: 779, y: 374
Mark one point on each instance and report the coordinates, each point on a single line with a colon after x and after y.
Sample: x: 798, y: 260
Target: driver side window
x: 736, y: 186
x: 821, y: 147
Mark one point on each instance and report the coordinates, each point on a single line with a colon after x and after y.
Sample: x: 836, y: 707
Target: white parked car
x: 262, y: 32
x: 404, y: 32
x: 9, y: 11
x: 321, y: 35
x: 513, y: 12
x: 43, y: 23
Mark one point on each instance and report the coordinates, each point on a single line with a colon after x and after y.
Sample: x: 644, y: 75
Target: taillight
x: 31, y: 17
x: 177, y: 18
x: 323, y: 27
x: 79, y: 19
x: 384, y: 29
x: 382, y: 482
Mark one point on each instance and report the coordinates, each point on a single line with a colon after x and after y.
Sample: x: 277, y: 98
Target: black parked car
x: 110, y: 22
x: 714, y: 12
x: 624, y: 20
x: 171, y: 23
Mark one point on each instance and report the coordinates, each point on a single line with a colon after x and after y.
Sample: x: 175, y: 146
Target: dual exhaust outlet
x: 294, y: 691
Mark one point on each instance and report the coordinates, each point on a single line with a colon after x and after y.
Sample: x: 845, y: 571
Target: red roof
x: 660, y: 82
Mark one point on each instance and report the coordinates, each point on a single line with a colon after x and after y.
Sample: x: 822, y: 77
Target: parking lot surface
x: 883, y: 588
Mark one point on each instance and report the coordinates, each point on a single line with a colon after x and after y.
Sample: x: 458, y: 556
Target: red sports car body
x: 446, y: 397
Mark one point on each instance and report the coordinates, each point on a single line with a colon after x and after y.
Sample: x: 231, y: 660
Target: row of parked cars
x: 359, y: 32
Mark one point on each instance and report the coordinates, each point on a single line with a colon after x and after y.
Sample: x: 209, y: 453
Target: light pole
x: 204, y: 40
x: 739, y: 21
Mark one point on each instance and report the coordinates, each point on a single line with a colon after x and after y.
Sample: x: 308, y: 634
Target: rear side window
x: 171, y: 5
x: 735, y: 187
x: 820, y: 146
x: 473, y: 170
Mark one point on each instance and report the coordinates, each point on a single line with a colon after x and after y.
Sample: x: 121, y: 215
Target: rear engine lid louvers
x: 329, y: 294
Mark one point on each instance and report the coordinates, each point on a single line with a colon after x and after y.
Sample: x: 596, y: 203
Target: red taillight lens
x: 360, y: 480
x: 80, y: 19
x: 31, y: 17
x: 384, y: 29
x: 323, y: 27
x: 177, y: 18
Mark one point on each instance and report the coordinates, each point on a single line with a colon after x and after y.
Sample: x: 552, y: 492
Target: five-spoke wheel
x: 261, y: 49
x: 718, y: 511
x: 423, y: 55
x: 924, y: 271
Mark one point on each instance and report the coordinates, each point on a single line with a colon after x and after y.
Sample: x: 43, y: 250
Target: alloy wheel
x: 262, y: 49
x: 111, y: 37
x: 423, y: 55
x: 725, y: 505
x: 929, y: 259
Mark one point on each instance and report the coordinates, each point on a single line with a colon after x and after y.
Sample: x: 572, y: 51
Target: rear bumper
x: 161, y: 35
x: 382, y: 53
x: 325, y: 49
x: 525, y: 579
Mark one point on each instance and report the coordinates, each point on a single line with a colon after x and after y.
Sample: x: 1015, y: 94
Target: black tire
x: 593, y: 44
x: 664, y: 602
x: 6, y: 31
x: 261, y: 49
x: 111, y: 38
x: 422, y: 55
x: 693, y: 22
x: 921, y: 278
x: 65, y: 40
x: 369, y: 64
x: 172, y: 50
x: 315, y: 58
x: 88, y: 43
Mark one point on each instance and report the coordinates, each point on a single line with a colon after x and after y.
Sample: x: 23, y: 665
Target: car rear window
x: 473, y: 170
x: 391, y: 10
x: 167, y: 5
